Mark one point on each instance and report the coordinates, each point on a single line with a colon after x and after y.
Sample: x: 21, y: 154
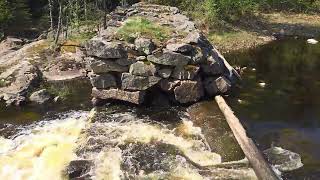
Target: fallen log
x: 262, y: 169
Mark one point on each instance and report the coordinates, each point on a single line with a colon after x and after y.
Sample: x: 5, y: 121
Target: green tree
x: 5, y: 16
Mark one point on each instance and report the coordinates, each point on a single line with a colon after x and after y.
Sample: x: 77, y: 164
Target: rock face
x: 20, y: 79
x: 40, y: 97
x: 180, y: 65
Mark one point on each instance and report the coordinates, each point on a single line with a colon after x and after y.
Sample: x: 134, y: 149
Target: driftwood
x: 262, y: 169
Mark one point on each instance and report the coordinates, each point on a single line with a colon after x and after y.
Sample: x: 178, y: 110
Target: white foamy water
x: 44, y: 151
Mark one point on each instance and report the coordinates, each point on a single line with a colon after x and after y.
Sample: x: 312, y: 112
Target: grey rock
x: 193, y: 37
x: 168, y: 85
x: 214, y: 86
x: 170, y: 59
x: 104, y: 49
x: 165, y: 73
x: 188, y: 72
x: 103, y: 81
x: 40, y: 97
x: 188, y: 91
x: 282, y: 159
x: 125, y: 61
x: 142, y: 69
x: 180, y: 47
x: 105, y: 66
x: 144, y: 45
x: 136, y: 97
x: 133, y: 82
x: 212, y: 67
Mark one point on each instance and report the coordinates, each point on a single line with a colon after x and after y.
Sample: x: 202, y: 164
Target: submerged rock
x: 40, y: 97
x: 283, y: 159
x: 79, y: 169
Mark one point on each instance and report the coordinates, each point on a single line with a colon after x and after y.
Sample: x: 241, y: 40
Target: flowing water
x: 279, y: 100
x: 66, y: 141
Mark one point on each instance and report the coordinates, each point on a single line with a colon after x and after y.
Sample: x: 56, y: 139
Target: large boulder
x: 185, y: 73
x: 98, y: 47
x: 145, y: 46
x: 142, y: 69
x: 136, y: 97
x: 214, y: 86
x: 133, y: 82
x: 105, y: 66
x: 40, y: 97
x: 103, y: 81
x: 188, y: 91
x: 169, y: 59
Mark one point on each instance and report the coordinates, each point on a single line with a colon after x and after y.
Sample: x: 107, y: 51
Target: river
x: 279, y: 101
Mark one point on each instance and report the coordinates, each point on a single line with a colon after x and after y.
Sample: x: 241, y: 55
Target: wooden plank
x: 262, y: 169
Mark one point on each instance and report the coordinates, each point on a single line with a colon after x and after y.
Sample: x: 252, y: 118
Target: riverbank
x: 261, y: 29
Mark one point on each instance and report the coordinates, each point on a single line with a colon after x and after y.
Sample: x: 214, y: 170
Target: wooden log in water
x: 262, y: 169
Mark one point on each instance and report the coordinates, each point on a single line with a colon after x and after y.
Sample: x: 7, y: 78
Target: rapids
x: 115, y: 145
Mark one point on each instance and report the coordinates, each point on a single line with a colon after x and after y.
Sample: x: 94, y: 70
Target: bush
x: 291, y: 5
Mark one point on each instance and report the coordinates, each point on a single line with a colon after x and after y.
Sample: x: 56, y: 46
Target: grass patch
x: 141, y: 27
x: 63, y: 92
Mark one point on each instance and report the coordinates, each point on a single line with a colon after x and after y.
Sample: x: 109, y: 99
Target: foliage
x: 136, y: 27
x: 232, y: 10
x: 5, y: 12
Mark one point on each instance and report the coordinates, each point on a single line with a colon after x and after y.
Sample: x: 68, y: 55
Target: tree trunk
x: 104, y: 14
x: 59, y: 24
x: 50, y: 14
x: 85, y: 9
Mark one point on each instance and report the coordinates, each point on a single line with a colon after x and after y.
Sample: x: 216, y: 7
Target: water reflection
x: 286, y: 111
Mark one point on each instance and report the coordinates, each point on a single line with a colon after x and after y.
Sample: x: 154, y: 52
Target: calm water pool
x: 279, y: 99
